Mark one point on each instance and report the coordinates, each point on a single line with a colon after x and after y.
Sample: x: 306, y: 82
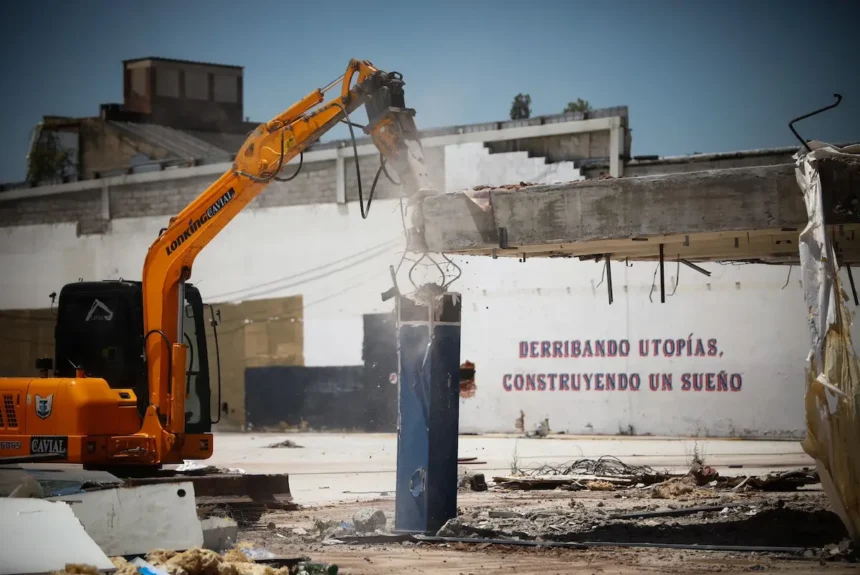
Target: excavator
x: 130, y: 387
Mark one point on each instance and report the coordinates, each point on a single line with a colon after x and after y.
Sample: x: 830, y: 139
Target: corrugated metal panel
x: 178, y: 143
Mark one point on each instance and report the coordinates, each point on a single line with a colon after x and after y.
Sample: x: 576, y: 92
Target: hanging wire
x: 456, y: 267
x: 677, y: 276
x: 602, y: 277
x: 653, y: 283
x: 787, y: 279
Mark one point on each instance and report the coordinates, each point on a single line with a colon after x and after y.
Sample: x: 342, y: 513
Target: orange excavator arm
x: 267, y: 150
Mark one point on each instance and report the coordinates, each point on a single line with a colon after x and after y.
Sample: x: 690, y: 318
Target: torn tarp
x: 833, y: 368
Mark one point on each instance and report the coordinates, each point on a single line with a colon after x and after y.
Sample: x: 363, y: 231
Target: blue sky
x: 697, y: 76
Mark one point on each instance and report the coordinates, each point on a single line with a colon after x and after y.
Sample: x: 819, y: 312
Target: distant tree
x: 522, y: 107
x: 48, y: 160
x: 579, y: 106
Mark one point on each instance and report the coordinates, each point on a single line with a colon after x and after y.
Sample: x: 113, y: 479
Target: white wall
x: 340, y: 264
x: 469, y: 165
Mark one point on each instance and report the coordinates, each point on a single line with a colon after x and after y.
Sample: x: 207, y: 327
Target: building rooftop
x: 178, y: 61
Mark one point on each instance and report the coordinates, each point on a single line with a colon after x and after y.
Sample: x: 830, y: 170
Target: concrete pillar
x: 340, y: 180
x: 616, y: 165
x: 428, y: 341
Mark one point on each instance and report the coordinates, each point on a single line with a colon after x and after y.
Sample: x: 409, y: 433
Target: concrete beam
x: 743, y: 213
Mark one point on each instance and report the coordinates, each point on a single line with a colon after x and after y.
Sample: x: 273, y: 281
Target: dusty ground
x: 797, y: 519
x: 332, y: 467
x: 333, y: 476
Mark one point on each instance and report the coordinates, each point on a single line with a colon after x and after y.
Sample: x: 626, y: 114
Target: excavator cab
x: 100, y: 331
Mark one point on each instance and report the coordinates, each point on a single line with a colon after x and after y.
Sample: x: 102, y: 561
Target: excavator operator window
x: 192, y: 370
x: 198, y: 417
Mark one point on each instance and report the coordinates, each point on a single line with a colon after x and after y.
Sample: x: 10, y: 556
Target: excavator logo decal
x: 194, y: 225
x: 99, y: 312
x: 44, y: 406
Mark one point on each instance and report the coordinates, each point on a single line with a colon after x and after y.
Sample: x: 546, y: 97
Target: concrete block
x: 130, y: 520
x: 219, y: 533
x: 369, y: 520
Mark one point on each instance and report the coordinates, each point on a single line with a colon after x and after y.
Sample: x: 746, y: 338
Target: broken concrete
x: 369, y: 520
x: 740, y: 214
x: 219, y: 533
x: 38, y: 536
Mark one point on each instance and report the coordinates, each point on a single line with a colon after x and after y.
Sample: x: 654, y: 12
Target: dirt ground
x: 801, y: 519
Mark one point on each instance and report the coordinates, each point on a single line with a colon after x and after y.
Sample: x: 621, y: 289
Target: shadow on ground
x: 774, y: 528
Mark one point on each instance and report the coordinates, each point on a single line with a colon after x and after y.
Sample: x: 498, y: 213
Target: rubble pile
x: 179, y: 523
x: 731, y: 519
x: 287, y: 443
x: 198, y: 562
x: 623, y: 503
x: 610, y: 473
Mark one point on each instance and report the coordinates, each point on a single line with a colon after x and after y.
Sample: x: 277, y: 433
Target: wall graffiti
x: 708, y: 380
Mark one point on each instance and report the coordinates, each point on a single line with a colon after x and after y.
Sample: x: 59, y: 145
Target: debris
x: 236, y: 555
x: 140, y: 566
x: 219, y: 533
x: 131, y: 520
x: 123, y: 567
x: 541, y: 429
x: 477, y: 482
x: 287, y: 443
x: 504, y: 514
x: 599, y: 486
x: 845, y: 551
x: 472, y: 482
x: 587, y: 544
x: 779, y: 481
x: 703, y: 474
x: 317, y: 569
x: 160, y: 556
x: 672, y: 488
x: 723, y: 509
x: 574, y: 475
x: 78, y: 569
x: 194, y: 468
x: 195, y: 562
x: 369, y: 520
x: 517, y: 482
x: 39, y: 536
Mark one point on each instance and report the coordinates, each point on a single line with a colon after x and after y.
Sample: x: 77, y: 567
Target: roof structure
x: 205, y: 147
x: 177, y: 61
x: 180, y: 144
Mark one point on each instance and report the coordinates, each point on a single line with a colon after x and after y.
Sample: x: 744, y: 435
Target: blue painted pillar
x: 428, y: 342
